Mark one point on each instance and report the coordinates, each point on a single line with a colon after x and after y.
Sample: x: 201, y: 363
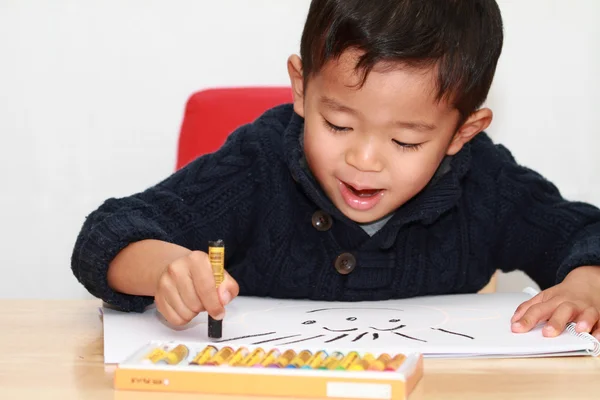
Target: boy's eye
x: 335, y: 128
x: 408, y: 146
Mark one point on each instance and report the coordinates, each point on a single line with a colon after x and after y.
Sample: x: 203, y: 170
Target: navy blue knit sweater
x: 284, y: 238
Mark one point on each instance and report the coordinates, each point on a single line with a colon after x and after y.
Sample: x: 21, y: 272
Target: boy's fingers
x: 533, y: 315
x: 173, y: 299
x: 167, y: 311
x: 204, y: 284
x: 179, y: 273
x: 563, y: 314
x: 587, y: 320
x: 596, y: 333
x: 525, y: 306
x: 187, y: 291
x: 228, y: 290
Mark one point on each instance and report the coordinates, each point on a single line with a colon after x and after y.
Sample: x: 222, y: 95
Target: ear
x: 477, y: 122
x: 295, y: 72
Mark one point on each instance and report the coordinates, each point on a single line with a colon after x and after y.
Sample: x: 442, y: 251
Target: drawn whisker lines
x: 323, y: 338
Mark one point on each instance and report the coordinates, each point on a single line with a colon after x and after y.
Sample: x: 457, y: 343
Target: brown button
x: 321, y: 221
x: 345, y: 263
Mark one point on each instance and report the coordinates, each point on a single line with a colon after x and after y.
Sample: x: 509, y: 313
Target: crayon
x: 269, y: 359
x: 203, y: 356
x: 175, y: 356
x: 155, y: 355
x: 395, y: 363
x: 362, y: 363
x: 253, y: 358
x: 369, y: 357
x: 380, y: 363
x: 284, y: 359
x: 216, y: 255
x: 238, y: 356
x: 347, y: 361
x: 316, y: 360
x: 359, y: 365
x: 222, y: 356
x: 332, y: 361
x: 300, y: 359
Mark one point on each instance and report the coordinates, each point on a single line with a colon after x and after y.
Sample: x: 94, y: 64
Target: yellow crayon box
x: 218, y: 368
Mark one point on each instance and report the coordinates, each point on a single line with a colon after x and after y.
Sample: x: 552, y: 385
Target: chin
x: 362, y: 217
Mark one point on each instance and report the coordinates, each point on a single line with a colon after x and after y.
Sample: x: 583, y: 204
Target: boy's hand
x: 576, y: 299
x: 187, y: 287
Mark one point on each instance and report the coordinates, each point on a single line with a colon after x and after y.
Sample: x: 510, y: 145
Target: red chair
x: 211, y: 115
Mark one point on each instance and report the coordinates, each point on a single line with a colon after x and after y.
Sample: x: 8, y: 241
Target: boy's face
x: 375, y: 147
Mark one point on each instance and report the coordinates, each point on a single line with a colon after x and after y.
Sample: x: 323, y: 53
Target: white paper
x: 470, y: 325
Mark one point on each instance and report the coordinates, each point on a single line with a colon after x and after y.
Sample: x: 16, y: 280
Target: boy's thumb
x: 228, y: 290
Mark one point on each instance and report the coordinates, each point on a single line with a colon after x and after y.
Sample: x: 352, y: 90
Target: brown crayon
x: 395, y: 363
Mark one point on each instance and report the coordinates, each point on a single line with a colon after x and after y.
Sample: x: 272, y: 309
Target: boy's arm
x: 541, y: 233
x: 139, y: 235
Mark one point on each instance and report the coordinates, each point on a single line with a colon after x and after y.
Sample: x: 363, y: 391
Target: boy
x: 377, y: 183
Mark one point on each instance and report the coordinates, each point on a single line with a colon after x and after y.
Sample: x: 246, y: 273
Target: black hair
x: 461, y: 38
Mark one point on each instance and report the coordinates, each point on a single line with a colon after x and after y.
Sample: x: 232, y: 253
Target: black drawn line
x: 359, y: 336
x: 277, y: 338
x: 351, y: 308
x: 375, y: 336
x: 453, y: 333
x: 300, y: 340
x: 340, y: 330
x: 410, y: 337
x: 244, y: 337
x: 388, y: 330
x: 336, y: 338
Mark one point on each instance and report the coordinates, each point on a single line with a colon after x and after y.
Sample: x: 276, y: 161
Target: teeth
x: 363, y: 193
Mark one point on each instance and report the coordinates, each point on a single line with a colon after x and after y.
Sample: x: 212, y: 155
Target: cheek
x: 319, y: 148
x: 415, y: 169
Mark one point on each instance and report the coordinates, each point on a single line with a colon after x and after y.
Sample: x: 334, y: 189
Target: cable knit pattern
x: 486, y: 213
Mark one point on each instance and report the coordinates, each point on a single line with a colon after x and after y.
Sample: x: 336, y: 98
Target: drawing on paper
x: 295, y: 324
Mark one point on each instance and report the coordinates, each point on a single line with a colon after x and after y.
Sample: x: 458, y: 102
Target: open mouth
x: 360, y: 198
x: 364, y: 193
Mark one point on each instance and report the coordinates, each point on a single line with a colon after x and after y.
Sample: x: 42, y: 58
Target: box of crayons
x: 211, y: 368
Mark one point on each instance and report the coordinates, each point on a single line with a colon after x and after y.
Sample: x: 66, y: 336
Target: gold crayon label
x: 216, y: 256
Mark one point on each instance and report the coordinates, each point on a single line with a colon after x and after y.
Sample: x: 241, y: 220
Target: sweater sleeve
x: 540, y: 232
x: 210, y: 198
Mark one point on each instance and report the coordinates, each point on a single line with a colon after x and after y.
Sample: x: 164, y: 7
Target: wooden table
x: 53, y: 350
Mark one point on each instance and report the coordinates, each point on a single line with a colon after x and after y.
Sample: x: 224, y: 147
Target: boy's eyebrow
x: 416, y: 125
x: 337, y: 106
x: 413, y: 125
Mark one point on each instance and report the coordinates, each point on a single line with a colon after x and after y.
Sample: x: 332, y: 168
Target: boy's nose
x: 364, y: 158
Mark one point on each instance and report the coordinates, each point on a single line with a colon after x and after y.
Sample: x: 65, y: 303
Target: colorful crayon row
x: 273, y: 358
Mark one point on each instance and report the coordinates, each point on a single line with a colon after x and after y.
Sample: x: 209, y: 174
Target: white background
x: 92, y: 94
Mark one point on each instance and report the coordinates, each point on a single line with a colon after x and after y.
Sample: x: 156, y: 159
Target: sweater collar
x: 440, y: 194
